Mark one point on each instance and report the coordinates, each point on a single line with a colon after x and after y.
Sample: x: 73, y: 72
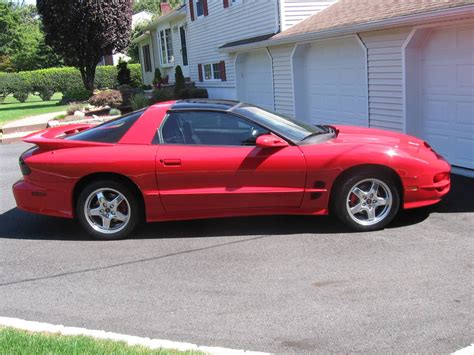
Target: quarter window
x: 166, y: 45
x: 209, y: 128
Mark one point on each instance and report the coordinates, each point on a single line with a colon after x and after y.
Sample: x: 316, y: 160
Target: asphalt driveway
x: 278, y: 284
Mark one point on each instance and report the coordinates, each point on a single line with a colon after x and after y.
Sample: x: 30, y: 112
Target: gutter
x: 140, y: 38
x: 444, y: 14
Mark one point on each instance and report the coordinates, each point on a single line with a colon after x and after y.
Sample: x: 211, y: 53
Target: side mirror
x: 270, y: 141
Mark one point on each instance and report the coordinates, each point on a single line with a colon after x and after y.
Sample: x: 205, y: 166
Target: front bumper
x: 429, y: 187
x: 49, y: 199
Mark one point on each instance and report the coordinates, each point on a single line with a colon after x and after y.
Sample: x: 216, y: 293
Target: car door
x: 207, y: 160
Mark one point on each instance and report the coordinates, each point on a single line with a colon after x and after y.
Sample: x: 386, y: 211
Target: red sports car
x: 208, y: 158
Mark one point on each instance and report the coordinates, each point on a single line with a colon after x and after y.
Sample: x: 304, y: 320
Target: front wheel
x: 367, y: 201
x: 107, y: 210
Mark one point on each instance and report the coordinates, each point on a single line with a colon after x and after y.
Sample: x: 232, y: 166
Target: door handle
x: 171, y: 162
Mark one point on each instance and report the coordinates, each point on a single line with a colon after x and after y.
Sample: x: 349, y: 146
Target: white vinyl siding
x: 283, y: 79
x: 385, y: 69
x: 294, y: 11
x: 223, y: 25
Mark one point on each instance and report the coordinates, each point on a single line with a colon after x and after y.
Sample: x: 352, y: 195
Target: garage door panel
x: 465, y: 151
x: 334, y: 89
x: 447, y: 93
x: 255, y: 79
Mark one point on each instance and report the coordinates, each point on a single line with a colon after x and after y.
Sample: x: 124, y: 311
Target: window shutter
x: 191, y: 9
x: 222, y: 70
x: 205, y: 8
x: 200, y: 72
x: 226, y: 3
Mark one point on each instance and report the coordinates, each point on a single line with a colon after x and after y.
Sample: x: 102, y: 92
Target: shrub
x: 114, y: 112
x: 74, y: 94
x: 21, y: 95
x: 73, y: 107
x: 63, y: 80
x: 157, y: 79
x: 127, y: 93
x: 146, y: 87
x: 111, y: 98
x: 193, y: 93
x: 123, y: 73
x: 162, y: 95
x: 139, y: 101
x: 199, y: 93
x: 179, y: 81
x: 45, y: 94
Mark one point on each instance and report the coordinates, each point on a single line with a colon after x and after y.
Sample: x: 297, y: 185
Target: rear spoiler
x: 53, y: 138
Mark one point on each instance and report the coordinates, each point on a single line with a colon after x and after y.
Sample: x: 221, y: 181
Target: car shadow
x: 17, y: 224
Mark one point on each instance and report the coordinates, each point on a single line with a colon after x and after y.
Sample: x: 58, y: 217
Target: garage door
x: 447, y: 93
x: 255, y: 79
x: 331, y: 82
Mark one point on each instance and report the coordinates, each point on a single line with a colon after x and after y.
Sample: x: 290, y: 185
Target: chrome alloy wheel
x: 107, y: 211
x: 369, y: 202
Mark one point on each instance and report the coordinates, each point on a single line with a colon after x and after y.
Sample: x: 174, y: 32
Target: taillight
x: 25, y: 169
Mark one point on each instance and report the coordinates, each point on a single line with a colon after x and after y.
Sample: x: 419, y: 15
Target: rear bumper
x: 429, y: 187
x: 51, y: 199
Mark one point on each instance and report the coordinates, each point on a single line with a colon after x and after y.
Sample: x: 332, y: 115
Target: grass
x: 14, y: 341
x: 11, y: 109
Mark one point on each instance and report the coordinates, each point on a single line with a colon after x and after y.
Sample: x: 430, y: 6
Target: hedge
x: 47, y: 81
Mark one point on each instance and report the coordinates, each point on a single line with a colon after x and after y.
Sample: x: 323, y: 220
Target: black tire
x: 343, y: 200
x: 130, y: 205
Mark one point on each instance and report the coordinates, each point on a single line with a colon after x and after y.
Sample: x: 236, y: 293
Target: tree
x: 180, y: 83
x: 153, y: 6
x: 83, y: 31
x: 123, y: 73
x: 133, y: 49
x: 22, y: 45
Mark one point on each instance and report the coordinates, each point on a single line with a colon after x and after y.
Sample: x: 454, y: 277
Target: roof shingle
x: 346, y: 13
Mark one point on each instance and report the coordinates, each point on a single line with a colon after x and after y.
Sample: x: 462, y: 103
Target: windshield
x: 288, y: 127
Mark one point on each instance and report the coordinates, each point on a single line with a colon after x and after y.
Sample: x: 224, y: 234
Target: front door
x: 209, y: 161
x: 184, y: 51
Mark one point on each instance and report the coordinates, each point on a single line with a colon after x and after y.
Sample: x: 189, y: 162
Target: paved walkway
x: 32, y: 120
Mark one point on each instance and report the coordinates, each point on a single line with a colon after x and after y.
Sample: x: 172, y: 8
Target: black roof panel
x: 203, y: 104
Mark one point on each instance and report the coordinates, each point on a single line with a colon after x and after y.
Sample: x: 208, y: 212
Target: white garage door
x: 331, y: 82
x: 447, y: 93
x: 255, y: 79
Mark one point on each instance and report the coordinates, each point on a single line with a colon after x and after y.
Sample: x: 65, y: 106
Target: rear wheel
x: 367, y: 201
x: 108, y: 210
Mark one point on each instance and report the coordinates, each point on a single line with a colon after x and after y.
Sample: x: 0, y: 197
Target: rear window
x: 108, y: 132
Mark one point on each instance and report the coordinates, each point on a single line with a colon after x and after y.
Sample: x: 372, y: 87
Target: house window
x: 199, y: 8
x: 146, y: 58
x: 166, y: 45
x: 212, y: 72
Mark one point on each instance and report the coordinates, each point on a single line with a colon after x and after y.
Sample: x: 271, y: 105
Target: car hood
x: 360, y: 135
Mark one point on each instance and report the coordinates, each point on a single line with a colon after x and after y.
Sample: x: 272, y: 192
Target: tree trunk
x: 88, y: 76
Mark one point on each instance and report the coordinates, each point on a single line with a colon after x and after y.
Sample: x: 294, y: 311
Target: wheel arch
x: 366, y: 168
x: 87, y: 179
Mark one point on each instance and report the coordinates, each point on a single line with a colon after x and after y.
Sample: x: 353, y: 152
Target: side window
x: 209, y: 128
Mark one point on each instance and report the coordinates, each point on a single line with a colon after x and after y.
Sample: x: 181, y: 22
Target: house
x: 164, y: 44
x: 401, y: 65
x: 113, y: 59
x: 214, y: 23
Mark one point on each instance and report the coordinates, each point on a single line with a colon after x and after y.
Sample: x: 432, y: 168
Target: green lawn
x: 14, y: 341
x: 11, y: 109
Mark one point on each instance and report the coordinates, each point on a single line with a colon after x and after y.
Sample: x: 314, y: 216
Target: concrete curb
x: 38, y: 327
